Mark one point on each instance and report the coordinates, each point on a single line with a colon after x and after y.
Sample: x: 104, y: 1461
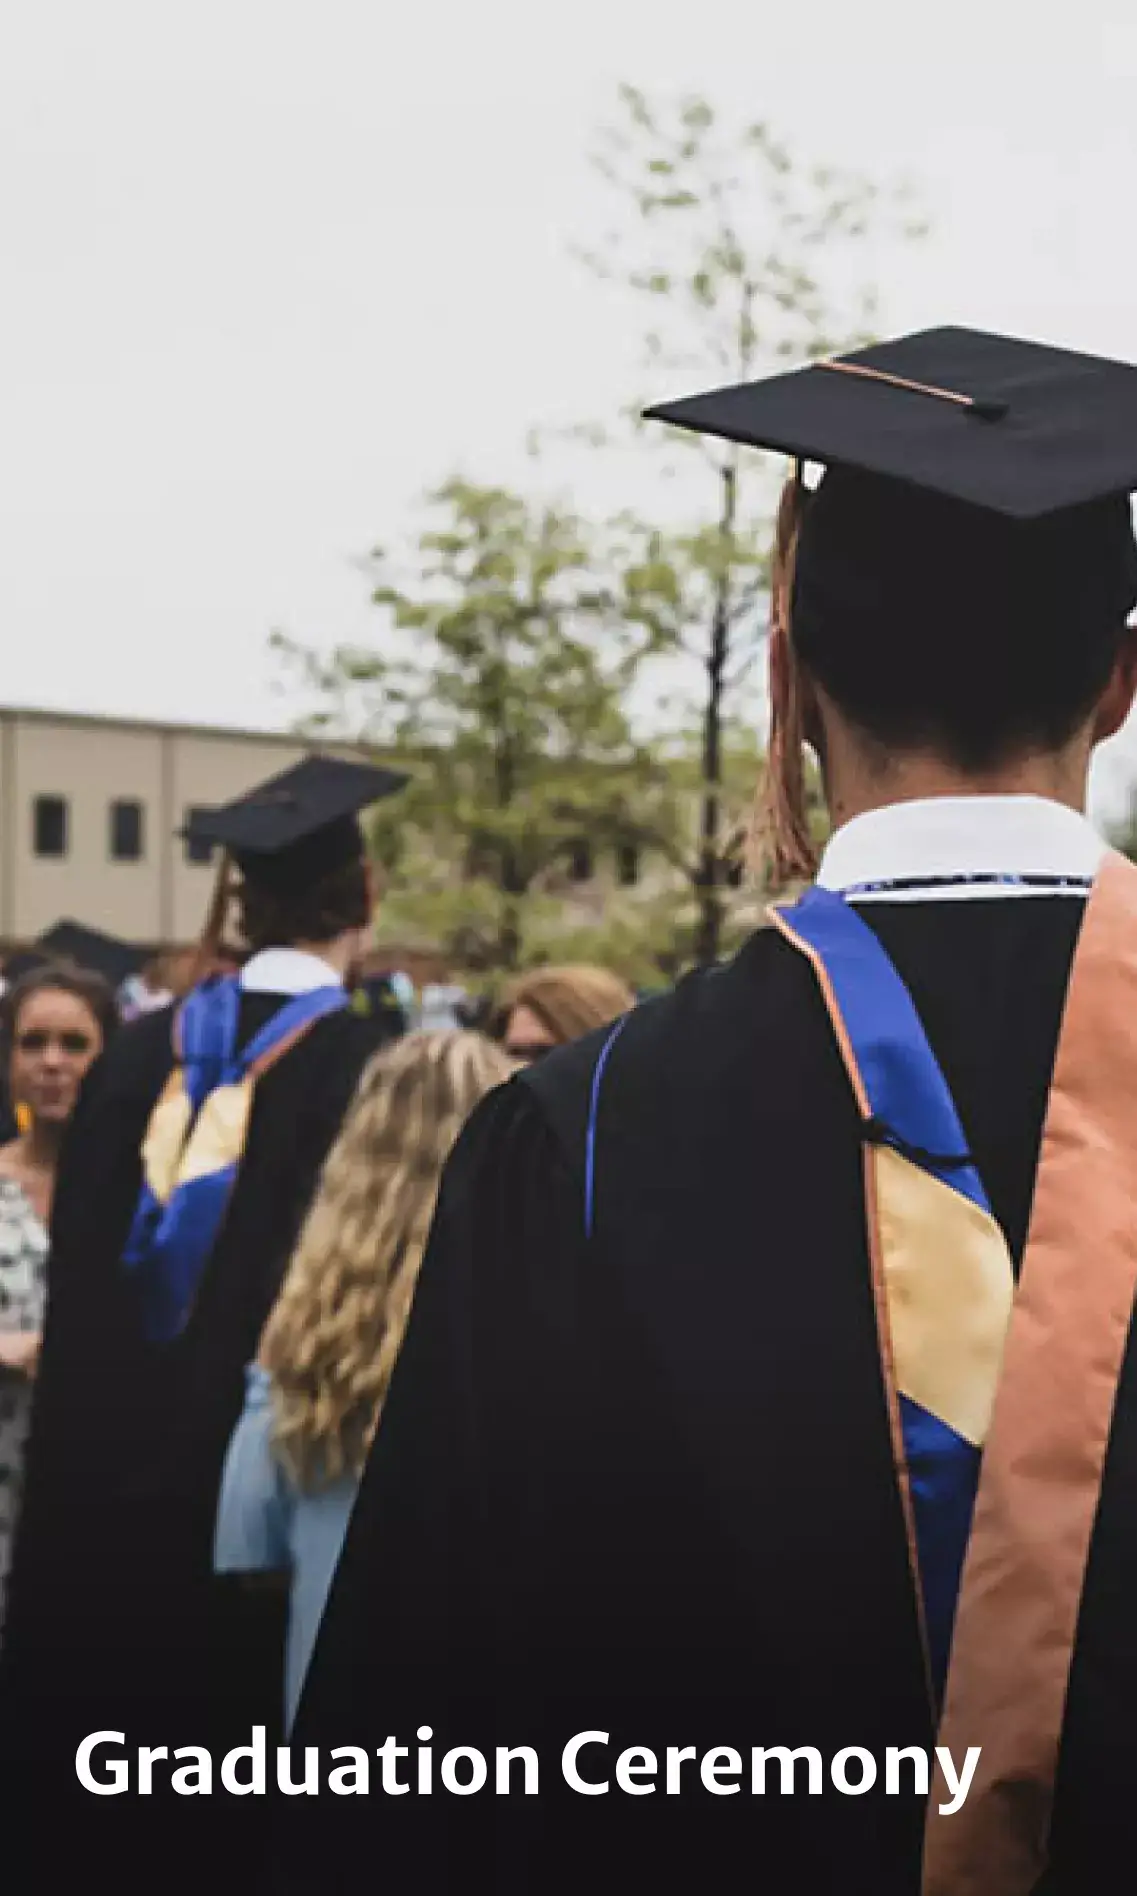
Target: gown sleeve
x: 255, y: 1510
x: 89, y: 1369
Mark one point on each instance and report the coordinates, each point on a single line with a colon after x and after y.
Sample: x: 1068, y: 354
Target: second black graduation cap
x: 301, y: 824
x: 88, y: 948
x: 1016, y: 428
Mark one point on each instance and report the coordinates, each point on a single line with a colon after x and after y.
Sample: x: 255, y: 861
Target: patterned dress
x: 23, y: 1291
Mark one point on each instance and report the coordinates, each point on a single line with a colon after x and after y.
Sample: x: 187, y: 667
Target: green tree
x: 503, y: 664
x: 744, y: 259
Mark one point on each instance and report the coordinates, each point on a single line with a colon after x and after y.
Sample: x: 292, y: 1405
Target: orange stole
x: 1045, y: 1453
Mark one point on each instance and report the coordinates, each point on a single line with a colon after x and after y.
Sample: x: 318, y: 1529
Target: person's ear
x: 1116, y: 701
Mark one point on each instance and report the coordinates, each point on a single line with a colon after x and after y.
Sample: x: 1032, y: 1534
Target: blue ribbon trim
x: 590, y: 1134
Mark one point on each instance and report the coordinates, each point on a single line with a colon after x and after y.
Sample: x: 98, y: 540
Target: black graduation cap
x: 299, y: 825
x: 86, y: 947
x: 1017, y: 428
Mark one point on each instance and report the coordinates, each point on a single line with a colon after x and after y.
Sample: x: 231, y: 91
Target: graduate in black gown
x: 116, y: 1621
x: 639, y: 1471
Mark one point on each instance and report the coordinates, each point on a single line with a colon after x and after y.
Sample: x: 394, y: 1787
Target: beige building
x: 89, y: 810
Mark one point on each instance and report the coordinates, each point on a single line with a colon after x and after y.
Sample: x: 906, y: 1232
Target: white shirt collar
x: 958, y: 836
x: 287, y: 971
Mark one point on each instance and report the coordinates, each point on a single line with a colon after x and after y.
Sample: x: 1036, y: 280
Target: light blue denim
x: 265, y: 1523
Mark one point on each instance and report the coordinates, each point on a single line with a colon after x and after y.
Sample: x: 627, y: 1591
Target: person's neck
x: 854, y: 790
x: 39, y: 1146
x: 339, y: 954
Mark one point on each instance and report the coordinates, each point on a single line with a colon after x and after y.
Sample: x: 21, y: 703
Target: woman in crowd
x: 314, y: 1395
x: 53, y: 1023
x: 551, y: 1006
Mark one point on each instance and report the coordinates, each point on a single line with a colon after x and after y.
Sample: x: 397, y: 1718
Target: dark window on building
x: 49, y: 826
x: 198, y: 851
x: 628, y: 865
x: 126, y: 830
x: 580, y: 862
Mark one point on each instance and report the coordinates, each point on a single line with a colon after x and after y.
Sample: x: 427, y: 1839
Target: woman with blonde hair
x: 548, y: 1007
x: 315, y: 1394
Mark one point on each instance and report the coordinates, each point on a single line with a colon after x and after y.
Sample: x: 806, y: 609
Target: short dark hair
x: 57, y: 977
x: 337, y: 902
x: 934, y: 625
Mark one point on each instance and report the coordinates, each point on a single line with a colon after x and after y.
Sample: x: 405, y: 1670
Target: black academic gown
x: 643, y: 1484
x: 115, y: 1620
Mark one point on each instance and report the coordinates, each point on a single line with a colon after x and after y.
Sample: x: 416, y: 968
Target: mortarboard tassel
x: 783, y: 846
x: 213, y: 934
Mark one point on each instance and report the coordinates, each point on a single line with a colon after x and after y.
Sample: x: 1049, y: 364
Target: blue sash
x: 196, y: 1137
x: 944, y: 1273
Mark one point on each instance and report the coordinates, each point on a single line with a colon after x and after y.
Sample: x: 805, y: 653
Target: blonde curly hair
x: 334, y: 1334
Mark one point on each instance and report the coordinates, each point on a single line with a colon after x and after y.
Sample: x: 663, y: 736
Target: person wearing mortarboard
x: 195, y: 1150
x: 770, y: 1379
x: 115, y: 961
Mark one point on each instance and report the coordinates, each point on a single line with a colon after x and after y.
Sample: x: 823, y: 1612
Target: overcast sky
x: 271, y: 268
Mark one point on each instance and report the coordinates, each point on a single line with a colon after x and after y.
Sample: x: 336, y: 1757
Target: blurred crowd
x: 315, y: 1389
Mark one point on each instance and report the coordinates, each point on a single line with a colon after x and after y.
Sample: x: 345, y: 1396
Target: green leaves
x: 516, y: 643
x: 697, y: 115
x: 503, y: 656
x: 702, y: 206
x: 742, y: 255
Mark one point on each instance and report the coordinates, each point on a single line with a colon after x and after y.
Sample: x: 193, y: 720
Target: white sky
x: 270, y: 268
